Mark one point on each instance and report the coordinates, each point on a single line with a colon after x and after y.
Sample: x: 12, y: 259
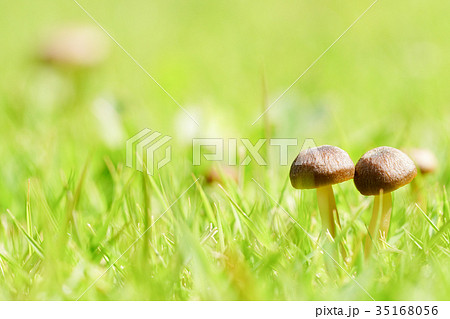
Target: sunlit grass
x: 216, y: 242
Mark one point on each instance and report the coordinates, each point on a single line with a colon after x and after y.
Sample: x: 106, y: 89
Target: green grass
x: 69, y: 208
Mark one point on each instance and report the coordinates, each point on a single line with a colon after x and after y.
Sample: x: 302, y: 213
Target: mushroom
x: 379, y: 172
x: 221, y: 174
x: 426, y: 163
x: 75, y: 46
x: 425, y: 160
x: 74, y: 51
x: 320, y: 168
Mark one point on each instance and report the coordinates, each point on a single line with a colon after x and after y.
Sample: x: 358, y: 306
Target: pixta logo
x: 149, y: 150
x: 141, y: 150
x: 213, y: 149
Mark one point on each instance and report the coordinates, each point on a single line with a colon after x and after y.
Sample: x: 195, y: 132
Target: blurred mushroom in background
x: 424, y: 159
x: 426, y: 163
x: 221, y: 174
x: 74, y: 46
x: 74, y: 52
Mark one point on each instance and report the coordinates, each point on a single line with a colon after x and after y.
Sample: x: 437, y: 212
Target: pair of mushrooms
x: 378, y: 172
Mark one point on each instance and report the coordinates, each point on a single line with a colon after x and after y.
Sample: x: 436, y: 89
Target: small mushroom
x: 320, y: 168
x: 379, y: 172
x: 425, y: 160
x: 73, y: 52
x: 426, y: 163
x: 75, y: 46
x: 221, y: 174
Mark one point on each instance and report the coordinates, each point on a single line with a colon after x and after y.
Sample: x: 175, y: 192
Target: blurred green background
x: 384, y: 83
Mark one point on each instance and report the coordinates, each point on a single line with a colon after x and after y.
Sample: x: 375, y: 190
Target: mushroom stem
x: 327, y: 208
x: 381, y: 218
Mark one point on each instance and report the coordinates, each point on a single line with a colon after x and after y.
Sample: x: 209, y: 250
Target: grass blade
x: 37, y: 247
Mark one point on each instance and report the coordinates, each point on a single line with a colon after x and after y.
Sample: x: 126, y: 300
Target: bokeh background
x: 384, y: 83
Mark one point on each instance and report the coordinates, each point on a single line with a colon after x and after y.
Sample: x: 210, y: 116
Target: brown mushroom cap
x: 425, y: 160
x: 321, y: 166
x: 383, y: 168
